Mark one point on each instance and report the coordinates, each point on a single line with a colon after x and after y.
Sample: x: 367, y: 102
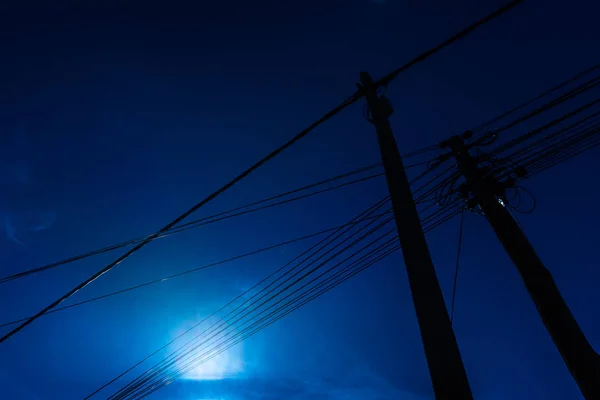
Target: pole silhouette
x: 579, y: 356
x: 446, y: 368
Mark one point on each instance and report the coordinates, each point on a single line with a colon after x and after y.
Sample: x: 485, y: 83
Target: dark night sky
x: 124, y: 118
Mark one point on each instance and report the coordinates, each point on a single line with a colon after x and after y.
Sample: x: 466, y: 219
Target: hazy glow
x: 226, y: 365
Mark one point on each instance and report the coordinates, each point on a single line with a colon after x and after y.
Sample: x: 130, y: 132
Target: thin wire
x: 539, y: 154
x: 536, y: 168
x: 543, y: 128
x: 571, y: 94
x: 420, y: 151
x: 558, y: 147
x: 170, y: 377
x: 460, y: 237
x: 352, y: 99
x: 166, y: 278
x: 419, y: 200
x: 425, y: 220
x: 235, y: 317
x: 562, y: 158
x: 212, y: 218
x: 518, y: 156
x: 533, y: 199
x: 275, y: 317
x: 183, y: 273
x: 333, y: 234
x: 142, y: 382
x: 423, y: 56
x: 201, y: 358
x: 553, y: 103
x: 158, y: 370
x: 534, y: 99
x: 383, y: 82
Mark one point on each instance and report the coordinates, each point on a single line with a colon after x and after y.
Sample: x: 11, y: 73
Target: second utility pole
x: 441, y: 350
x: 579, y: 356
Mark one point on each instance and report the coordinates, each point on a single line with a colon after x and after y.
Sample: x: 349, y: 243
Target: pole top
x: 365, y: 78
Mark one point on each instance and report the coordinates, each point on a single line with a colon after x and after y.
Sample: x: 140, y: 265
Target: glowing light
x: 225, y: 365
x: 208, y: 364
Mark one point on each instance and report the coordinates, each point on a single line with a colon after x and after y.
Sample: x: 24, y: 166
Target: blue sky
x: 120, y: 119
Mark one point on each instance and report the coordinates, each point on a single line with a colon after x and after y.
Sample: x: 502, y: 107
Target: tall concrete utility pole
x: 441, y: 350
x: 581, y: 359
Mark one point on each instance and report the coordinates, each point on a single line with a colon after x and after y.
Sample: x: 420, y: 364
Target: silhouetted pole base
x: 581, y: 359
x: 441, y: 350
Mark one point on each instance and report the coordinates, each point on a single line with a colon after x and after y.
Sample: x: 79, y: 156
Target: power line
x: 139, y: 382
x: 169, y: 277
x: 536, y: 98
x: 181, y: 217
x: 234, y: 212
x: 331, y: 235
x: 234, y: 314
x: 544, y: 128
x: 236, y: 318
x: 532, y: 149
x: 217, y: 345
x: 420, y: 200
x: 485, y: 191
x: 384, y: 81
x: 275, y: 316
x: 231, y: 213
x: 350, y: 100
x: 300, y: 274
x: 550, y: 150
x: 303, y: 302
x: 558, y: 155
x: 446, y: 217
x: 568, y: 96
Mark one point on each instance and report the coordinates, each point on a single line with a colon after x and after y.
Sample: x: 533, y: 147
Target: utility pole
x: 441, y: 349
x: 581, y: 359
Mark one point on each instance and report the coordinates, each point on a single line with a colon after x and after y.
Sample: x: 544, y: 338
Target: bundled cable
x: 529, y: 102
x: 433, y: 221
x: 424, y: 198
x: 278, y: 291
x: 486, y: 133
x: 554, y: 148
x: 160, y: 373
